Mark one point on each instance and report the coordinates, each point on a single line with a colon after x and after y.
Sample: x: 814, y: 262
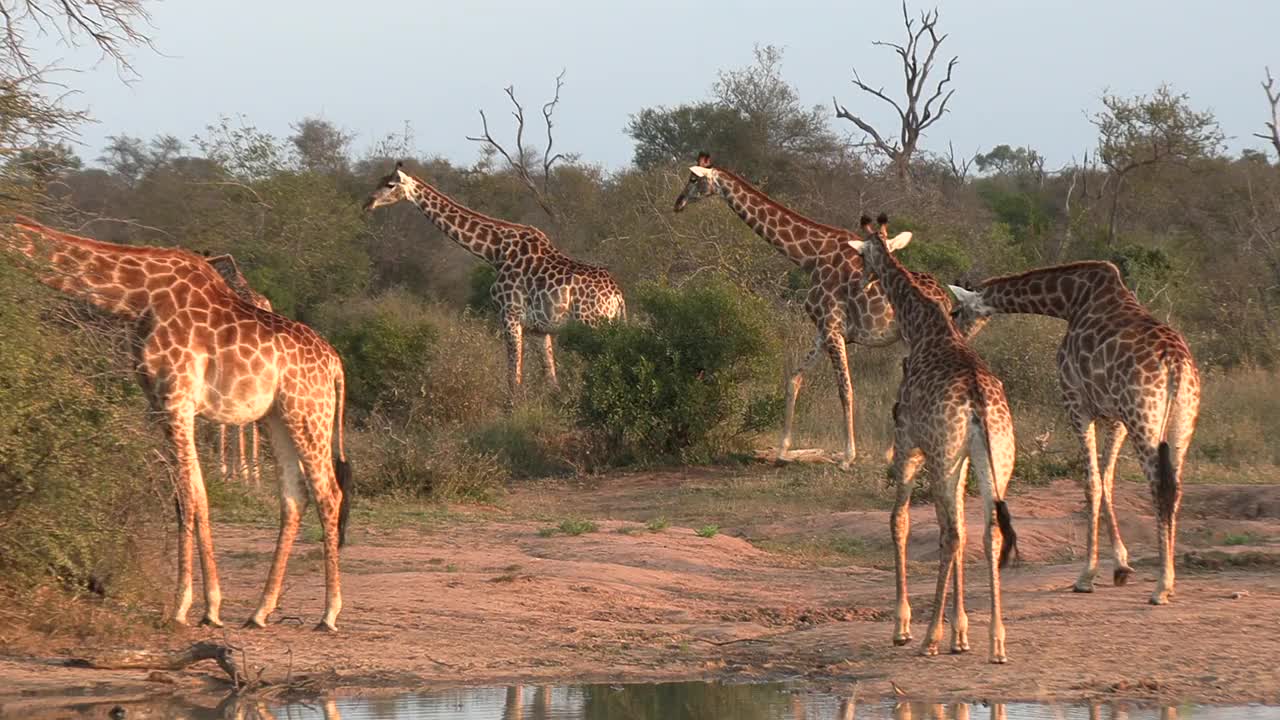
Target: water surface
x: 669, y: 701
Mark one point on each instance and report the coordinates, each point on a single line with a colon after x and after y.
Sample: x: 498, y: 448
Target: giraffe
x: 226, y: 266
x: 201, y: 350
x: 1118, y: 366
x: 538, y: 289
x: 950, y: 413
x: 842, y: 306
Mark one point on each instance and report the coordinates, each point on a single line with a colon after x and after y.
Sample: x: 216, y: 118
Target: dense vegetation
x: 697, y: 372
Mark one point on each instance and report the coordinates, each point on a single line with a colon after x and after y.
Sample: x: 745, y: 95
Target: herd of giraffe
x: 207, y: 344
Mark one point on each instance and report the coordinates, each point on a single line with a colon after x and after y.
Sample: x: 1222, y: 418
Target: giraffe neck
x: 794, y: 235
x: 112, y: 277
x: 479, y: 234
x: 920, y: 317
x: 1062, y: 291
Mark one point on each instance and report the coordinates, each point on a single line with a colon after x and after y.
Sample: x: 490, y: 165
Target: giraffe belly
x: 238, y: 400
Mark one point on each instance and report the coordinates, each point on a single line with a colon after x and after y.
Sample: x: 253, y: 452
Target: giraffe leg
x: 1147, y: 452
x: 991, y: 487
x: 835, y: 346
x: 1119, y: 553
x: 948, y: 544
x: 1093, y: 496
x: 1166, y: 492
x: 257, y: 460
x: 549, y: 361
x: 293, y: 498
x: 1178, y: 434
x: 317, y: 460
x: 792, y: 390
x: 242, y: 456
x: 513, y: 333
x: 905, y: 465
x: 193, y: 519
x: 223, y: 469
x: 204, y: 539
x: 959, y: 618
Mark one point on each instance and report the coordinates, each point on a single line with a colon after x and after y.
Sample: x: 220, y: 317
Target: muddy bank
x: 501, y: 601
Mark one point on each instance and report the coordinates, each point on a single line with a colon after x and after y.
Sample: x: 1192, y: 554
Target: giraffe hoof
x: 1121, y: 575
x: 903, y: 639
x: 253, y: 624
x: 325, y: 627
x: 1159, y: 599
x: 930, y: 650
x: 209, y: 621
x: 999, y: 659
x: 1081, y: 587
x: 959, y: 649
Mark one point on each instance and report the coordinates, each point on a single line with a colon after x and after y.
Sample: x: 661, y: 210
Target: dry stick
x: 162, y: 660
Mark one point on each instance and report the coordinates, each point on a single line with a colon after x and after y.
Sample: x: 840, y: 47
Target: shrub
x: 531, y: 442
x: 414, y: 461
x: 416, y: 361
x: 672, y: 387
x: 77, y: 476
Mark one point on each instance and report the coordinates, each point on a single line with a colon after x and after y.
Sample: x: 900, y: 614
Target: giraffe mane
x: 487, y: 218
x: 1080, y: 265
x: 142, y: 250
x: 783, y: 208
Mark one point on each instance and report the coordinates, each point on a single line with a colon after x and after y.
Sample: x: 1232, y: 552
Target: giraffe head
x: 970, y: 312
x: 878, y: 237
x: 703, y: 181
x: 390, y: 189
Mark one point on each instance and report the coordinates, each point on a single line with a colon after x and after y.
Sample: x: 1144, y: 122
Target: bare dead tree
x: 1273, y: 99
x: 915, y: 118
x: 112, y: 25
x: 959, y: 166
x: 519, y: 162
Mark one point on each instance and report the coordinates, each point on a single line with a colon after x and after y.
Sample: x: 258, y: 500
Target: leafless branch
x: 1273, y: 99
x: 959, y: 166
x: 519, y: 163
x: 915, y: 117
x: 112, y: 25
x: 122, y: 221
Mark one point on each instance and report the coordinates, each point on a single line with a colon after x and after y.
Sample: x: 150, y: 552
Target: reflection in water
x: 667, y: 701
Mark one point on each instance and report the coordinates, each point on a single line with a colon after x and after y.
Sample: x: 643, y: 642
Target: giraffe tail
x: 982, y: 418
x: 342, y: 468
x: 1166, y: 474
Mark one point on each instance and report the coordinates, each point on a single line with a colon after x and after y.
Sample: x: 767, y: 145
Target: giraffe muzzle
x: 681, y: 202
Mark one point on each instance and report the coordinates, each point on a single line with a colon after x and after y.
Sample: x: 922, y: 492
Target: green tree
x: 1146, y: 131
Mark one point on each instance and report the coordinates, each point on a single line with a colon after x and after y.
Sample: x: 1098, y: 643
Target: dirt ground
x: 493, y: 597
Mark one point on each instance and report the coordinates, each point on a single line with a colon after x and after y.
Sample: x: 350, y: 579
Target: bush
x: 531, y: 442
x: 416, y: 361
x: 418, y: 462
x: 77, y: 480
x: 672, y: 388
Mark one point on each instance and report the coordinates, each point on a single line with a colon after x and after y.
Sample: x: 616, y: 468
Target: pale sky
x: 1028, y: 72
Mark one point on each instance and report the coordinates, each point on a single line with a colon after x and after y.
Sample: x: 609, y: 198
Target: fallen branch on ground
x: 162, y: 659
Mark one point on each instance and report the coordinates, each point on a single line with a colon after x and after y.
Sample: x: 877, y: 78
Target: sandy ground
x: 494, y: 602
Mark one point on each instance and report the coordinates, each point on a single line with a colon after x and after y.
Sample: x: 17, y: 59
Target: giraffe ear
x: 857, y: 245
x: 700, y: 171
x: 899, y: 241
x: 967, y: 297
